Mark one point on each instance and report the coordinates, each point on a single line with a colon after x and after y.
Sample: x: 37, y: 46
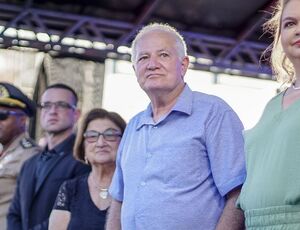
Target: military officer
x: 15, y: 144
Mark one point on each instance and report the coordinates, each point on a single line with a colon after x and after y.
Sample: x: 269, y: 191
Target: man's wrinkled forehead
x: 158, y: 41
x: 155, y: 33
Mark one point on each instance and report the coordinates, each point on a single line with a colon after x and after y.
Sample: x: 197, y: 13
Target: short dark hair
x: 63, y: 86
x: 94, y: 114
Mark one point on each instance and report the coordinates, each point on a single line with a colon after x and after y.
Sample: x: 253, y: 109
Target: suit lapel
x: 65, y: 148
x: 49, y: 169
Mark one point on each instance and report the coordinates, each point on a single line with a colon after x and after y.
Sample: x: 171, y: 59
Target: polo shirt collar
x: 184, y: 105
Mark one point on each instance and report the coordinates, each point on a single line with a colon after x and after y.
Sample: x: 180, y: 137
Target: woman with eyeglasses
x: 82, y: 203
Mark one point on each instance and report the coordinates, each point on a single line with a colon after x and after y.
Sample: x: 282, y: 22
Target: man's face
x: 12, y: 126
x: 158, y: 65
x: 56, y: 119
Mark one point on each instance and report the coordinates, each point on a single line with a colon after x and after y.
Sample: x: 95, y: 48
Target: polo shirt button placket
x: 143, y: 183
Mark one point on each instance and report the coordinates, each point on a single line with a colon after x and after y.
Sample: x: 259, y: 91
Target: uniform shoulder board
x: 27, y: 143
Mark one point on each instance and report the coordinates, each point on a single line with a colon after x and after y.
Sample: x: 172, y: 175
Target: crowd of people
x: 185, y: 162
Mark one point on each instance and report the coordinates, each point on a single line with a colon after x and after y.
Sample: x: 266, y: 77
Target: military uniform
x: 11, y: 161
x: 16, y: 147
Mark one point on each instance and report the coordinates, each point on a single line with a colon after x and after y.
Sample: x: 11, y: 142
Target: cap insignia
x: 3, y: 92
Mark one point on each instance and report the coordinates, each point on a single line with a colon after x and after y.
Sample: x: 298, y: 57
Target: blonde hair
x: 281, y: 64
x: 180, y: 43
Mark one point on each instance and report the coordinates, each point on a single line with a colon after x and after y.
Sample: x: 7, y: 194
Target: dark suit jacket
x: 31, y: 207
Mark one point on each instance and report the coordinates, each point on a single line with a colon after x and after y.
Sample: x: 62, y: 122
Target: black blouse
x: 74, y: 196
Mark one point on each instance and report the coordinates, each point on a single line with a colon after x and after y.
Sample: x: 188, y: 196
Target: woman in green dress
x: 270, y: 196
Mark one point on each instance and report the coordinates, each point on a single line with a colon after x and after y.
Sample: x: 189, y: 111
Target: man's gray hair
x: 180, y: 43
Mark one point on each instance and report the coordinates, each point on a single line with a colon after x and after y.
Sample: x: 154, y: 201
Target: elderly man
x: 180, y: 164
x: 16, y: 145
x: 42, y: 175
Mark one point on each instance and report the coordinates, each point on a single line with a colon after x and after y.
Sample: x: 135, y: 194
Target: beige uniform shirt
x: 11, y: 161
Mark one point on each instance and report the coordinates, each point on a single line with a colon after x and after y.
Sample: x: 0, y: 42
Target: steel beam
x: 219, y: 53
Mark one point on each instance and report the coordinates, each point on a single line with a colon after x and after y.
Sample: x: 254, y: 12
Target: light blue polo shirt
x: 174, y: 174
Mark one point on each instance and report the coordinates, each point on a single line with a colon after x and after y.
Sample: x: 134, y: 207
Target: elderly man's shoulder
x: 210, y: 100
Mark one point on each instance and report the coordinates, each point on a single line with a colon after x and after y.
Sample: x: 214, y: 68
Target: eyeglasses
x: 108, y: 135
x: 6, y: 113
x: 60, y: 105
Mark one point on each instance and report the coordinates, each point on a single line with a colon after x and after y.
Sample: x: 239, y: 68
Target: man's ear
x: 184, y: 65
x: 77, y: 114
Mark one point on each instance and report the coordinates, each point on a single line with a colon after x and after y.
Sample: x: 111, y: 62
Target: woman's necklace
x: 102, y: 192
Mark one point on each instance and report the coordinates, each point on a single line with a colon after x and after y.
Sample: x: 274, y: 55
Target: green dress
x: 270, y: 196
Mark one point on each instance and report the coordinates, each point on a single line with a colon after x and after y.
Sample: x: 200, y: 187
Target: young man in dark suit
x: 42, y: 175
